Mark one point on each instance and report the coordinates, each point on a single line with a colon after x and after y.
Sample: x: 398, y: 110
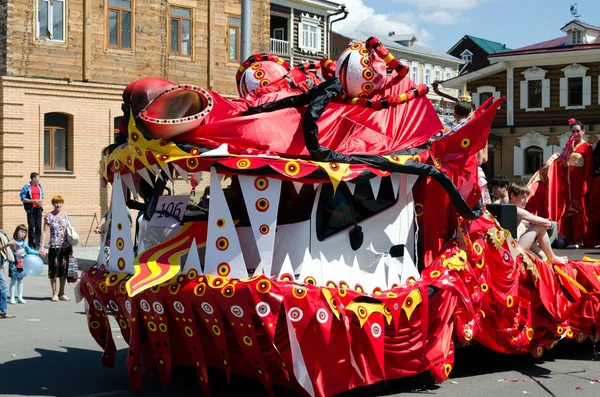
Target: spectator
x: 532, y: 228
x: 59, y: 249
x: 32, y: 196
x: 4, y: 286
x: 15, y: 269
x: 500, y: 189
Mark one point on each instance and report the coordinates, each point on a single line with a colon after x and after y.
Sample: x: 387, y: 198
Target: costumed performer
x: 577, y: 160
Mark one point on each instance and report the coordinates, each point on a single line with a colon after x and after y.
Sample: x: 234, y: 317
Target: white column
x: 510, y: 95
x: 291, y: 38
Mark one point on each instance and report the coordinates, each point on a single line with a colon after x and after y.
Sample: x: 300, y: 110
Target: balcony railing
x: 280, y: 47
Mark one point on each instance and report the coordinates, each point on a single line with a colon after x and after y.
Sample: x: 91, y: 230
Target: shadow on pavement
x: 78, y: 373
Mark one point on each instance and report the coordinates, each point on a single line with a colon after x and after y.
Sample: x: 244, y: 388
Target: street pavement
x: 48, y: 351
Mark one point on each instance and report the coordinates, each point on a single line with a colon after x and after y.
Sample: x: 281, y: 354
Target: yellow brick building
x: 64, y: 65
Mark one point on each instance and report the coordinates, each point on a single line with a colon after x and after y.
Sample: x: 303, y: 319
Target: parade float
x: 343, y: 241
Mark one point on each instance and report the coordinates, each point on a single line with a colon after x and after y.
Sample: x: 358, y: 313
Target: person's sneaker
x: 573, y: 246
x: 6, y: 316
x: 64, y: 298
x: 12, y: 301
x: 54, y: 298
x: 21, y: 300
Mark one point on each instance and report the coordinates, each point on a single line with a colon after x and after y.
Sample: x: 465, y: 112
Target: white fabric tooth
x: 394, y: 265
x: 156, y: 170
x: 286, y: 268
x: 183, y: 173
x: 408, y: 269
x: 395, y: 179
x: 223, y: 250
x: 192, y: 261
x: 298, y: 186
x: 261, y: 195
x: 121, y: 245
x: 351, y: 187
x: 128, y: 181
x: 220, y: 151
x: 144, y: 174
x: 378, y: 280
x: 375, y: 185
x: 311, y: 268
x: 167, y: 170
x: 316, y: 185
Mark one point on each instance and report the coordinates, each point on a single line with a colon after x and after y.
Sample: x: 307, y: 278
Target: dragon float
x: 342, y: 243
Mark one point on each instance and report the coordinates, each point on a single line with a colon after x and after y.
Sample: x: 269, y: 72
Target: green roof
x: 491, y: 47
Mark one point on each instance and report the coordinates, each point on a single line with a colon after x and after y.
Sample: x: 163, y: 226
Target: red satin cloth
x: 344, y: 128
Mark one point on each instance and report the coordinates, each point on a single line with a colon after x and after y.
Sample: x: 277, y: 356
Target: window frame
x: 306, y: 20
x: 534, y: 73
x: 529, y: 96
x: 238, y: 44
x: 51, y: 4
x: 466, y: 56
x: 52, y: 129
x: 527, y: 162
x: 570, y: 72
x: 569, y: 94
x: 427, y: 76
x: 180, y: 30
x: 118, y: 46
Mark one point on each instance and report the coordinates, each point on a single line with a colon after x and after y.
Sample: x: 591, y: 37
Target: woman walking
x: 59, y: 249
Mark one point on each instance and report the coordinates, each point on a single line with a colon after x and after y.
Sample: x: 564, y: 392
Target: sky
x: 441, y: 23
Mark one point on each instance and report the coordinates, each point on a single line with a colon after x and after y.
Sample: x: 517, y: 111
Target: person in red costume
x: 577, y: 161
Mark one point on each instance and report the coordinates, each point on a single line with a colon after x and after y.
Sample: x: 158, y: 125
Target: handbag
x: 73, y: 269
x: 72, y: 235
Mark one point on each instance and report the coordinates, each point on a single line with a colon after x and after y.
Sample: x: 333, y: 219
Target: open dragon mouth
x: 336, y: 224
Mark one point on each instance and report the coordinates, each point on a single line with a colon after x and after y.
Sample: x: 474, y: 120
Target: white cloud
x: 364, y: 18
x: 441, y: 18
x: 447, y: 4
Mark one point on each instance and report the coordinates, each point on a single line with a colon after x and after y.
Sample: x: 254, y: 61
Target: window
x: 575, y: 87
x: 575, y: 93
x: 534, y: 89
x: 51, y: 21
x: 427, y: 76
x: 534, y: 158
x: 181, y: 31
x: 414, y: 74
x: 309, y: 36
x: 338, y: 212
x: 576, y: 37
x: 56, y: 142
x: 119, y: 24
x: 484, y: 96
x: 466, y: 56
x: 279, y: 34
x: 233, y: 36
x: 309, y: 33
x: 438, y: 75
x: 447, y: 76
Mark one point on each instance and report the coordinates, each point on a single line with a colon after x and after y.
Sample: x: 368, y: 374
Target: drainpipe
x: 246, y: 39
x: 330, y: 22
x: 86, y: 40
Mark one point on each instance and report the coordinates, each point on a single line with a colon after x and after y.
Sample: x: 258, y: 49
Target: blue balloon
x: 33, y: 265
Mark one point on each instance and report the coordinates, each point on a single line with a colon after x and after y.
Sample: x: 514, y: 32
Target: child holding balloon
x: 15, y: 269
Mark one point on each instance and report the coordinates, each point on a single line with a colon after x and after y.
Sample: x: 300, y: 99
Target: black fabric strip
x: 317, y: 99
